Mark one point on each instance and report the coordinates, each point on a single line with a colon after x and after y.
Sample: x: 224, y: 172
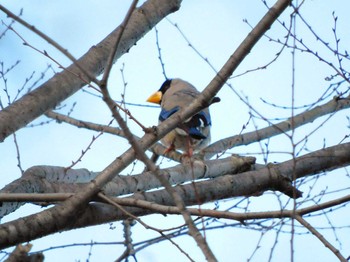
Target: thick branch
x: 243, y: 184
x: 247, y: 183
x: 66, y: 83
x: 52, y: 179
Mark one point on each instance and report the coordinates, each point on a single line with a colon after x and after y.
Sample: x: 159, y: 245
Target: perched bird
x: 194, y: 133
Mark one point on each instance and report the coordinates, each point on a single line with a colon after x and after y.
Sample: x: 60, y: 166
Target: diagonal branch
x: 113, y: 51
x: 64, y: 84
x: 306, y: 224
x: 331, y: 107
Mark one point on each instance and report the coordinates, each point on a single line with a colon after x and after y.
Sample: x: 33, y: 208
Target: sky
x: 214, y: 29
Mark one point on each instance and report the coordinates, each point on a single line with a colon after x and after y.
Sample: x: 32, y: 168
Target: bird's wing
x: 165, y: 114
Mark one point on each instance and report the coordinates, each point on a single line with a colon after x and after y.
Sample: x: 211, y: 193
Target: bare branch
x: 116, y: 204
x: 64, y: 84
x: 49, y: 179
x: 320, y: 237
x: 118, y: 38
x: 46, y: 38
x: 167, y: 209
x: 247, y: 183
x: 331, y: 107
x: 156, y: 148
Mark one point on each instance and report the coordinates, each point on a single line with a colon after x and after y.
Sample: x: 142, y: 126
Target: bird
x: 194, y: 133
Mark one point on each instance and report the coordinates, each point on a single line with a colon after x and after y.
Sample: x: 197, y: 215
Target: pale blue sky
x: 215, y: 29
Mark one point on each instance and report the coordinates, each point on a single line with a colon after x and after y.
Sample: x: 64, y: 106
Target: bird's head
x: 157, y: 96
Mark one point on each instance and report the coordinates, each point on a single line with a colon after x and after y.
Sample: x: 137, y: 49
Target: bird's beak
x: 155, y: 98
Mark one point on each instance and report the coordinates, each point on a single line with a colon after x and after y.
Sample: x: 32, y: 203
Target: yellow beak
x: 155, y: 98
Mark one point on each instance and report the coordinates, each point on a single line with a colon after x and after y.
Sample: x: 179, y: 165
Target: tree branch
x: 331, y: 107
x: 243, y: 184
x: 64, y: 84
x: 157, y: 148
x: 335, y: 251
x: 51, y: 179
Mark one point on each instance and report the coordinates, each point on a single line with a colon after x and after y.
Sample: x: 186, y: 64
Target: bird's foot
x: 169, y: 149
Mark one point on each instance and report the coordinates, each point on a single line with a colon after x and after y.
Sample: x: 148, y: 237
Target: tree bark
x: 272, y: 177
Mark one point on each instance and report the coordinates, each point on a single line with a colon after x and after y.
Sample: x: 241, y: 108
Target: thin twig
x: 191, y: 45
x: 156, y: 148
x: 110, y: 59
x: 19, y: 165
x: 160, y: 53
x: 334, y: 105
x: 45, y: 53
x: 114, y: 202
x: 48, y: 39
x: 83, y: 152
x: 317, y: 234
